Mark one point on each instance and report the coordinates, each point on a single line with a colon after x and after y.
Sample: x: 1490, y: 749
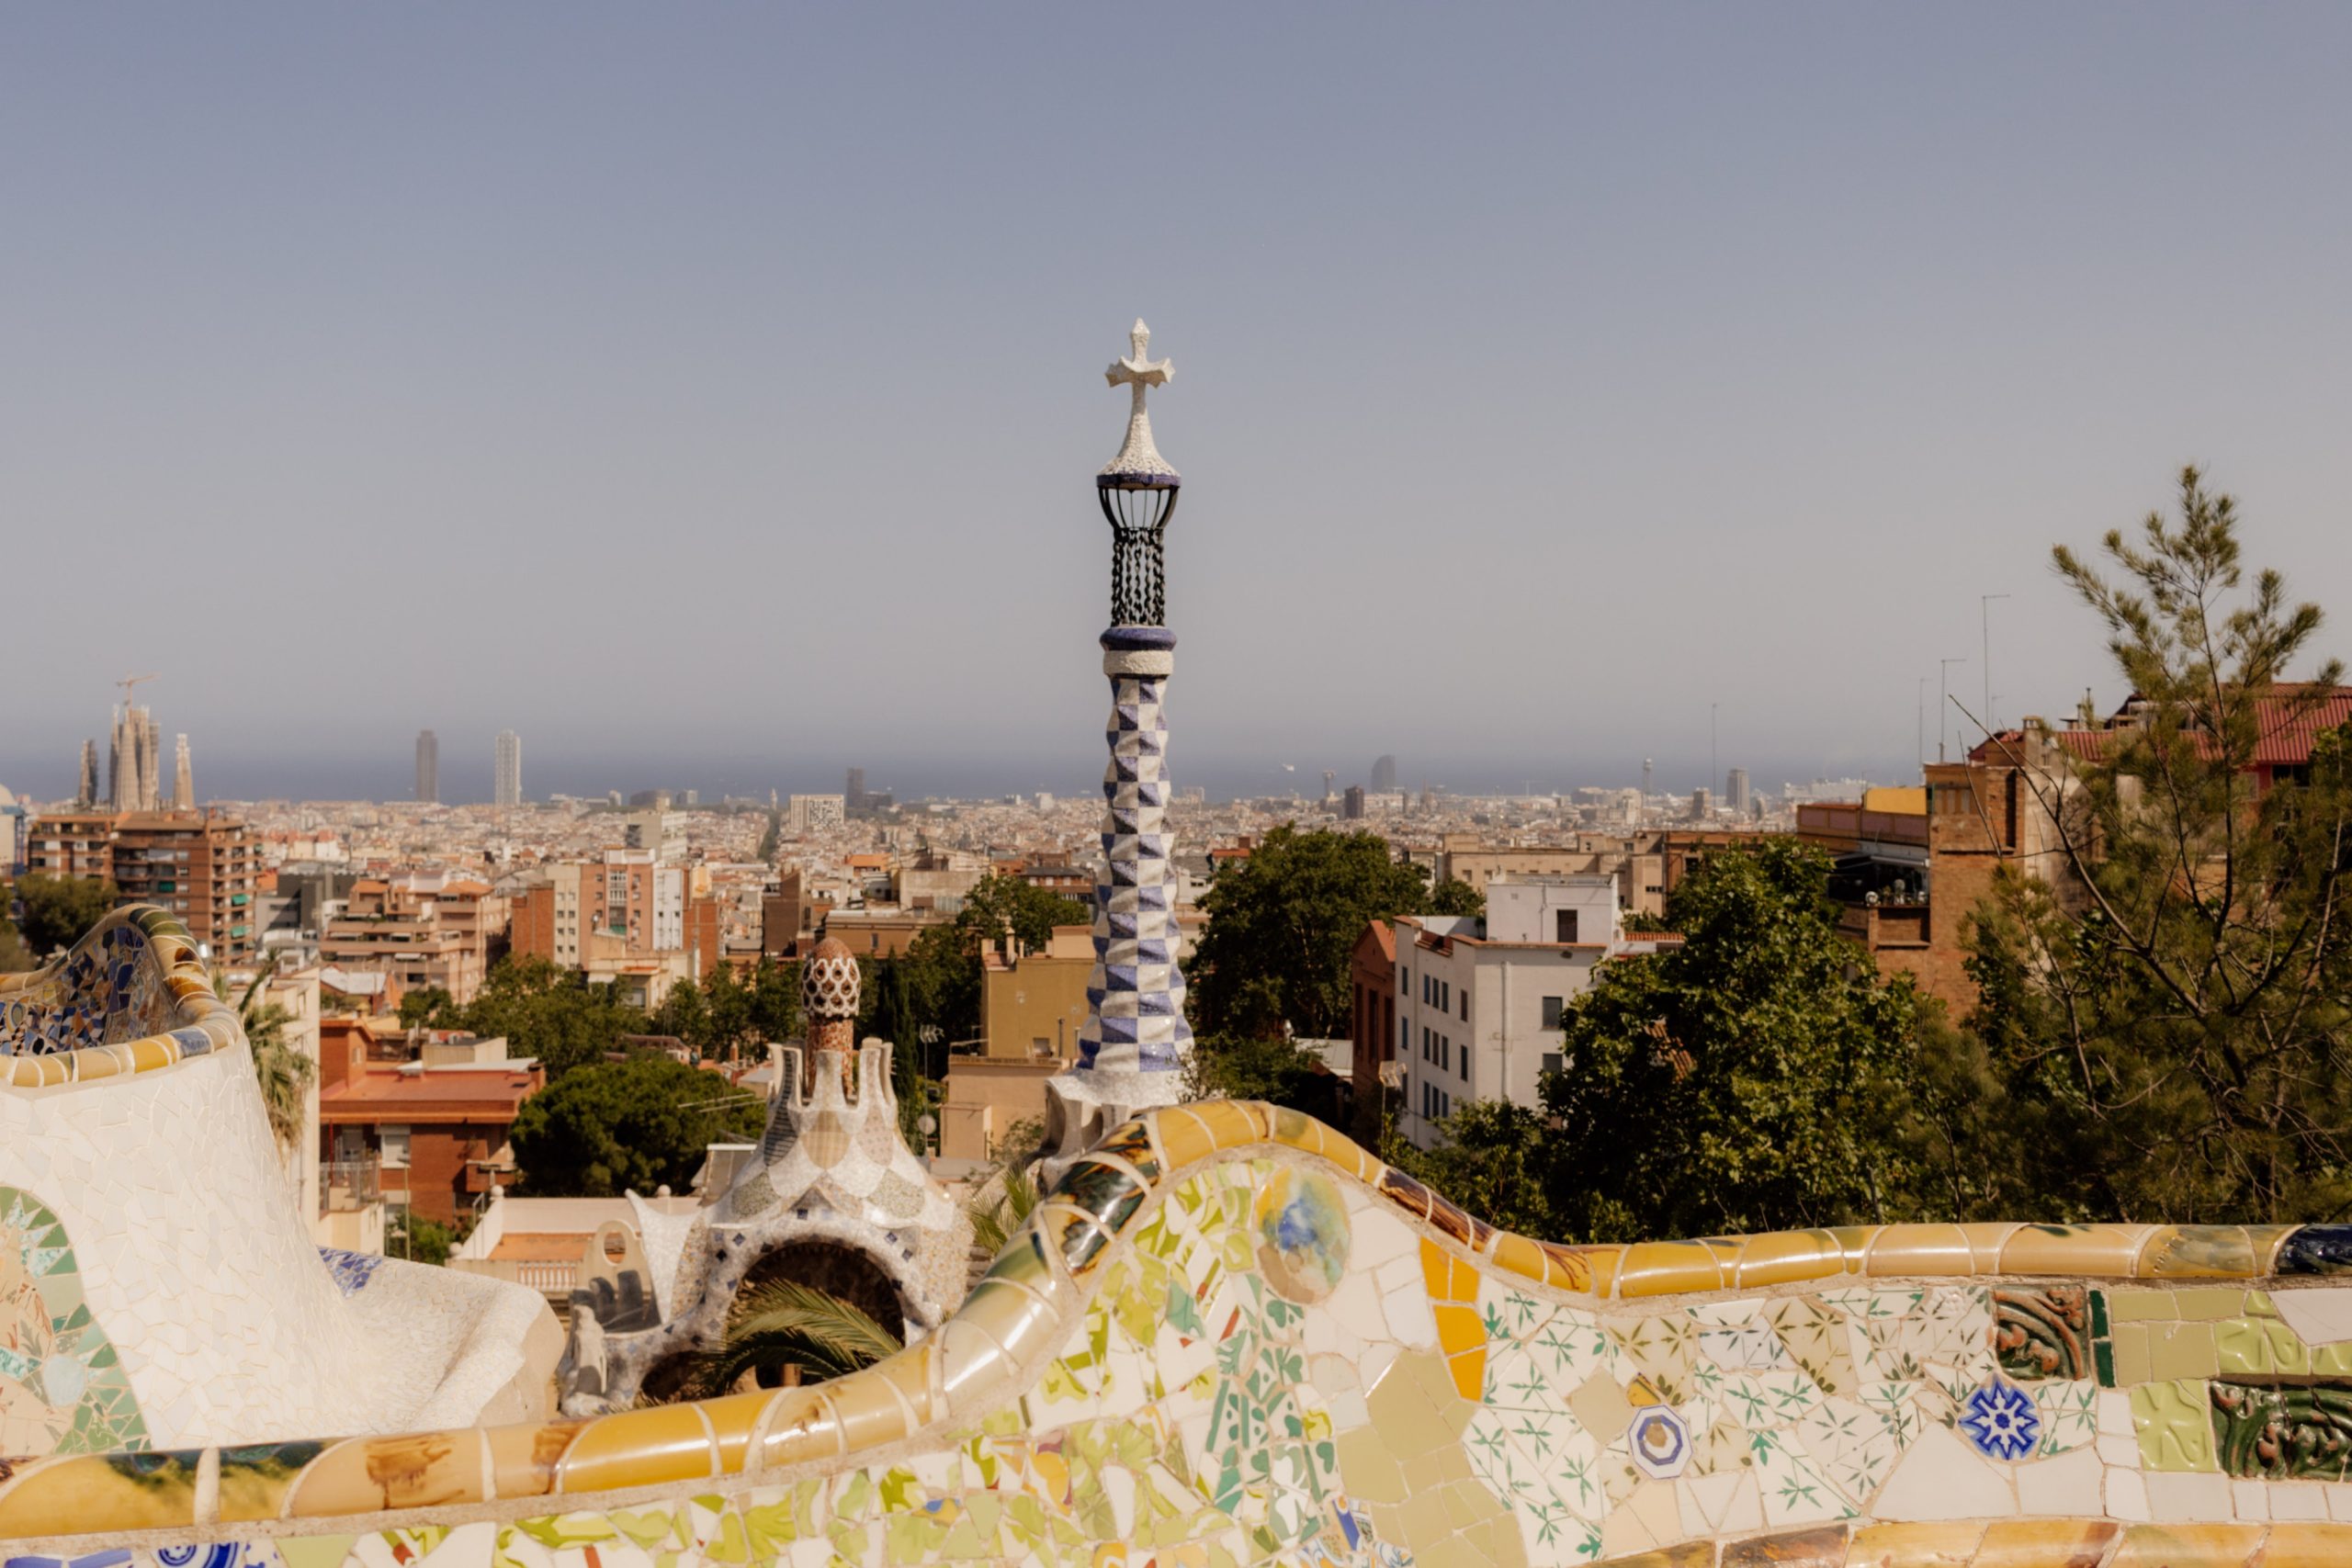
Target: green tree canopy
x: 553, y: 1014
x: 1758, y: 1076
x: 635, y: 1123
x: 1284, y: 923
x: 2168, y: 1002
x: 60, y: 911
x: 430, y: 1007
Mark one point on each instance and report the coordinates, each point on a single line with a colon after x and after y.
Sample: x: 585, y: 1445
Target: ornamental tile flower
x: 2001, y: 1420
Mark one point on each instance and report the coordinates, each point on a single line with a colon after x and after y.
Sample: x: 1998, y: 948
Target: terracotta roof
x: 2288, y: 729
x: 460, y: 1095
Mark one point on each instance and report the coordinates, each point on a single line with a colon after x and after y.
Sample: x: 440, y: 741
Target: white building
x: 806, y: 814
x: 1479, y: 1001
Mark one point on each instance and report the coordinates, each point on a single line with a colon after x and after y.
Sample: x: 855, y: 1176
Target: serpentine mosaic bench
x: 158, y: 1288
x: 1230, y: 1337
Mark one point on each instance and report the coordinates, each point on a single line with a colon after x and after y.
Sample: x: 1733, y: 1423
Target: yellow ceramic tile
x: 102, y: 1062
x: 2174, y: 1423
x: 734, y: 1419
x: 1917, y: 1546
x: 1459, y: 1328
x: 1517, y: 1255
x: 1783, y: 1258
x: 2104, y: 1251
x: 1685, y: 1554
x: 1667, y: 1268
x: 1985, y: 1239
x: 799, y: 1428
x: 2136, y: 1306
x: 2264, y: 1241
x: 64, y: 1496
x: 1820, y: 1548
x: 909, y: 1371
x: 2307, y: 1545
x: 973, y: 1367
x: 151, y: 1053
x: 638, y: 1448
x: 2174, y: 1252
x: 1230, y: 1123
x: 2179, y: 1350
x: 2046, y: 1543
x: 523, y: 1458
x: 421, y: 1470
x: 2187, y: 1546
x: 2130, y: 1340
x: 1181, y: 1137
x: 868, y: 1409
x: 1469, y: 1370
x: 2208, y: 1305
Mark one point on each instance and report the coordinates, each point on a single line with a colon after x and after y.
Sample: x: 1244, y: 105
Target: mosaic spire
x: 1134, y: 1045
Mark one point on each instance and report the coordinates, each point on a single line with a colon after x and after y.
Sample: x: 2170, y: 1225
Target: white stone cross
x: 1139, y: 455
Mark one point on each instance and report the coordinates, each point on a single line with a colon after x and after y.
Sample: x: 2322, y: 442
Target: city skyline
x: 1751, y: 356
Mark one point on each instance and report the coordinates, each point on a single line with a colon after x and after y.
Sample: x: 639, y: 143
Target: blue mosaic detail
x: 1136, y: 994
x: 108, y: 989
x: 352, y: 1270
x: 2000, y: 1419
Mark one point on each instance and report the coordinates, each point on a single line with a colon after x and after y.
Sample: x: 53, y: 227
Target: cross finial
x: 1140, y: 458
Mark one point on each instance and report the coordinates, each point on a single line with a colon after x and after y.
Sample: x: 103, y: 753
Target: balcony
x: 1882, y: 926
x: 348, y: 1186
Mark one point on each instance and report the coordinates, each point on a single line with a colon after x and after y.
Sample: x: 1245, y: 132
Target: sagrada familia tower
x: 1134, y: 1048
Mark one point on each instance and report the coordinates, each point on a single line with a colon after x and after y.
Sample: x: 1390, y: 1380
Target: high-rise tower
x: 86, y: 795
x: 506, y: 779
x: 428, y: 766
x: 183, y: 777
x: 1135, y: 1043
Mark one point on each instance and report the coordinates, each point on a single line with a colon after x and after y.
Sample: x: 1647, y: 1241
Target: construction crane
x: 129, y: 682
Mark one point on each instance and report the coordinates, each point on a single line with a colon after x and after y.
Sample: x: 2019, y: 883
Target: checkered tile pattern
x: 1135, y: 995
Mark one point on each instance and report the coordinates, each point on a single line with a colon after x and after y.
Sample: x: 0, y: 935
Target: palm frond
x: 785, y: 1322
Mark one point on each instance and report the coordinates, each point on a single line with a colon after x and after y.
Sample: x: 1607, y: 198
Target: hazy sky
x: 712, y: 394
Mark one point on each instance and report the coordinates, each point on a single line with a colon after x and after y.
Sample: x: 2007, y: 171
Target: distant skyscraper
x: 1351, y: 804
x: 428, y: 766
x: 853, y: 789
x: 87, y: 794
x: 1736, y: 790
x: 506, y: 787
x: 1703, y: 806
x: 1384, y: 775
x: 183, y: 777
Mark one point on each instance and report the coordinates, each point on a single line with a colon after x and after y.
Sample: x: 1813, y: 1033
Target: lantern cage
x: 1137, y: 507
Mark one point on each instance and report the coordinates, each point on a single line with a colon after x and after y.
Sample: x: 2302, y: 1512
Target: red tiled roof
x: 464, y: 1095
x: 2287, y: 728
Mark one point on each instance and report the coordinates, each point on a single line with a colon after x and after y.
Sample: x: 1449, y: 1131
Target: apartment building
x: 202, y: 866
x: 1479, y: 1002
x: 77, y: 844
x: 423, y: 929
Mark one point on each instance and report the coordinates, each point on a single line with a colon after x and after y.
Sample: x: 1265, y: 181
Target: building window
x: 1445, y: 996
x: 1552, y: 1009
x: 1466, y: 1064
x: 394, y: 1143
x: 1404, y: 982
x: 1567, y: 924
x: 1465, y: 1006
x: 1555, y: 1061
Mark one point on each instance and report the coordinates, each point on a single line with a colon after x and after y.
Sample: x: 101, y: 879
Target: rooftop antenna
x: 1985, y: 610
x: 1943, y: 712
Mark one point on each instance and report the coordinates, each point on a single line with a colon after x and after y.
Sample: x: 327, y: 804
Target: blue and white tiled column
x: 1135, y: 995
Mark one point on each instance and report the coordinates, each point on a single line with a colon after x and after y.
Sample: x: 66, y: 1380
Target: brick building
x: 438, y: 1130
x: 202, y: 866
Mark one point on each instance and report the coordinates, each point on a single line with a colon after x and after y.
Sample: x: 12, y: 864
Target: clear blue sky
x: 711, y: 393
